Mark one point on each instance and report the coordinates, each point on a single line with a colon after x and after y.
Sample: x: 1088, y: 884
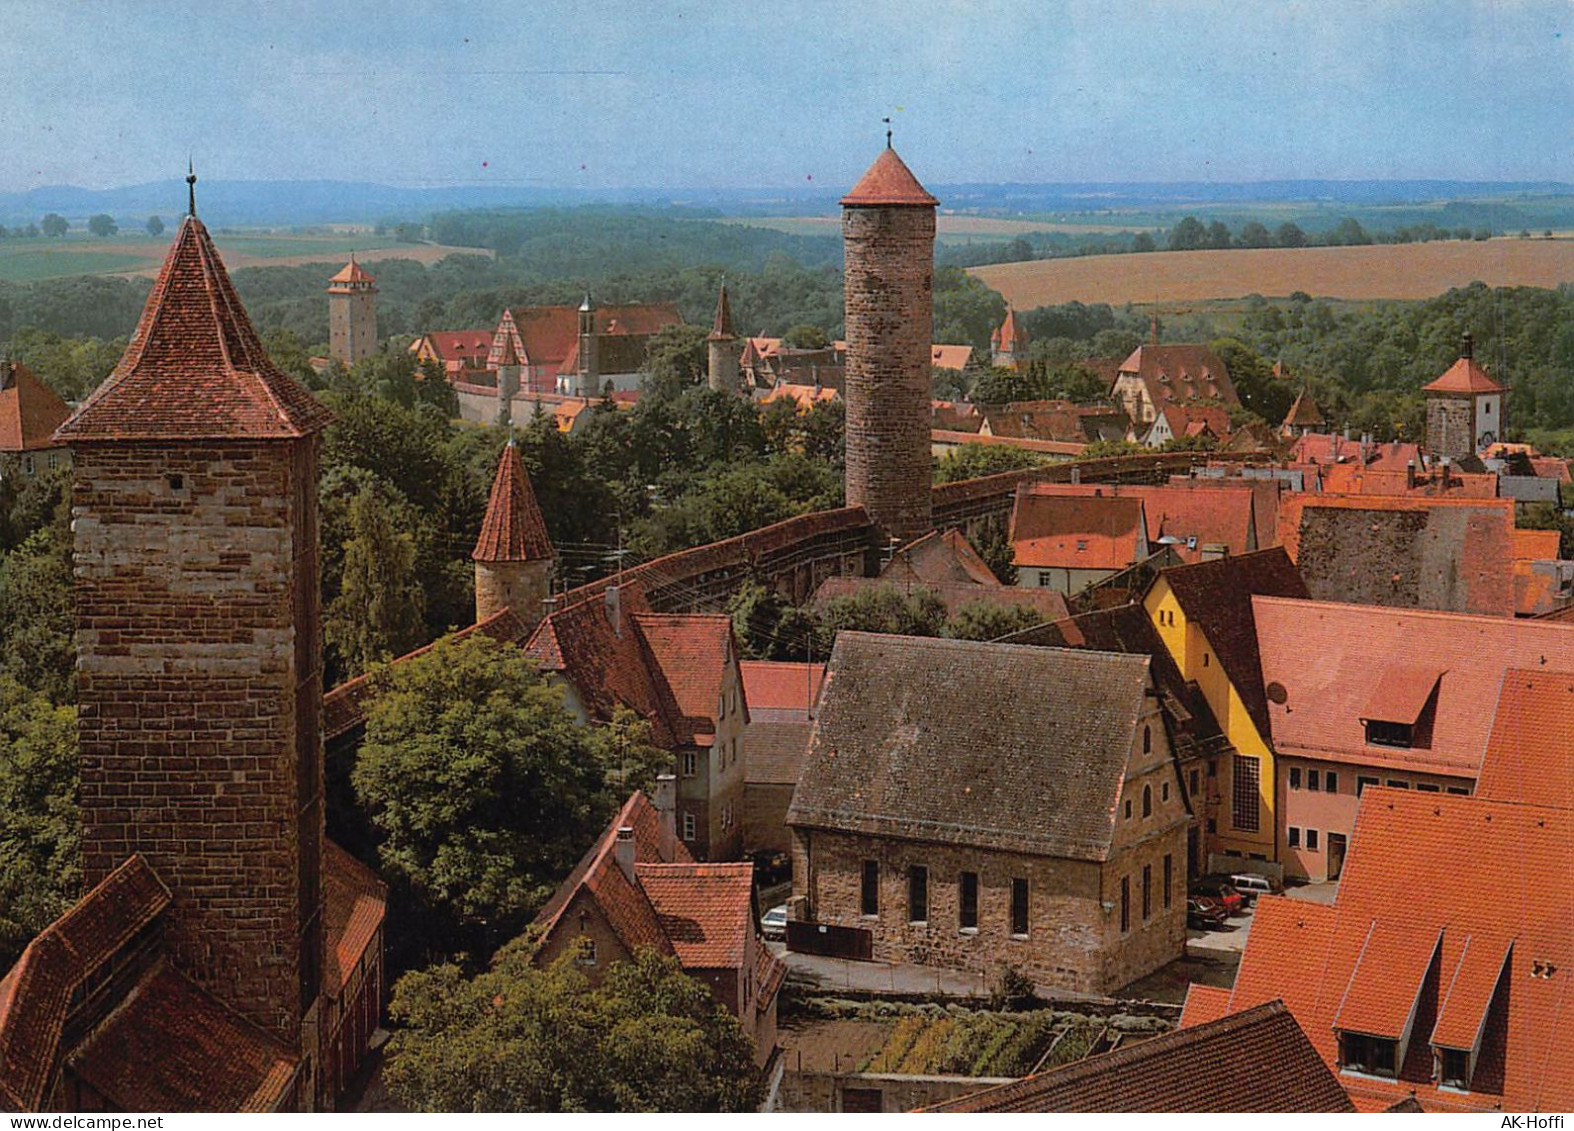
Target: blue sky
x: 622, y: 94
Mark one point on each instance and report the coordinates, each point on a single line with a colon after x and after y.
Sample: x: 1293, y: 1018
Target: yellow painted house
x: 1203, y: 614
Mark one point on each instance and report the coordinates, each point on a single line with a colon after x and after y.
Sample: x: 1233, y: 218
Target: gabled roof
x: 688, y: 655
x: 705, y: 910
x: 1072, y: 532
x: 1327, y: 658
x: 1304, y: 413
x: 940, y: 558
x: 1193, y: 515
x: 933, y: 740
x: 1257, y: 1060
x: 513, y: 529
x: 355, y: 902
x: 1009, y: 336
x: 781, y: 698
x: 1322, y: 448
x: 1530, y: 752
x: 950, y: 357
x: 888, y: 182
x: 776, y: 685
x: 1180, y: 373
x: 195, y: 368
x: 1217, y: 597
x: 456, y: 345
x: 1477, y: 874
x: 30, y: 411
x: 1204, y: 1004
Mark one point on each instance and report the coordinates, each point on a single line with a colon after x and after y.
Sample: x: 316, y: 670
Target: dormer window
x: 1381, y: 733
x: 1453, y: 1068
x: 1375, y: 1056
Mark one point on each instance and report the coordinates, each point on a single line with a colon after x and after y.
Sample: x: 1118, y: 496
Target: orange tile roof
x: 355, y: 904
x: 705, y: 910
x: 888, y: 182
x: 689, y: 654
x: 1327, y: 658
x: 1071, y: 532
x: 1204, y: 1004
x: 460, y: 346
x: 1530, y: 753
x: 1464, y: 376
x: 30, y: 411
x: 806, y: 396
x: 1480, y: 873
x: 774, y: 685
x: 950, y: 357
x: 1393, y: 961
x: 513, y: 529
x: 1323, y: 448
x: 1356, y: 479
x: 195, y: 368
x: 1304, y: 413
x: 353, y: 272
x: 1402, y: 692
x: 1222, y: 514
x: 940, y: 557
x: 545, y: 336
x: 1535, y: 545
x: 1008, y: 336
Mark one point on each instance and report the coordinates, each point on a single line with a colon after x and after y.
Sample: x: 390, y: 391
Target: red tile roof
x: 705, y: 910
x: 940, y: 558
x: 888, y: 182
x: 721, y: 326
x: 1464, y: 376
x: 1402, y: 693
x: 1068, y: 532
x: 1193, y: 517
x: 1354, y: 479
x: 457, y: 345
x: 1482, y: 874
x: 1304, y: 413
x: 688, y: 655
x: 173, y: 1047
x: 195, y: 368
x: 1536, y: 545
x: 353, y: 272
x: 1530, y: 753
x: 780, y: 697
x: 1323, y: 448
x: 774, y: 685
x: 1204, y: 1004
x: 30, y: 411
x: 1327, y: 658
x: 513, y: 530
x: 545, y: 336
x: 1008, y: 336
x: 1256, y: 1060
x: 355, y: 903
x: 1180, y: 373
x: 1393, y: 961
x: 950, y: 357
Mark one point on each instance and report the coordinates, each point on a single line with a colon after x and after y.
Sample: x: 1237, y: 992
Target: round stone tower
x: 722, y: 348
x: 888, y: 240
x: 513, y: 555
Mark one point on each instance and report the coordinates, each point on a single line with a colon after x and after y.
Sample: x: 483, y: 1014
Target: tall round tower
x: 888, y: 241
x: 722, y: 348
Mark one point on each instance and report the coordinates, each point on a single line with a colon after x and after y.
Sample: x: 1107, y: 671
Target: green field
x: 30, y: 260
x: 27, y: 261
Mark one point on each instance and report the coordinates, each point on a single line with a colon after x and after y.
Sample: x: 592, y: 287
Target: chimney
x: 624, y: 850
x: 667, y: 812
x: 615, y: 609
x: 1410, y: 474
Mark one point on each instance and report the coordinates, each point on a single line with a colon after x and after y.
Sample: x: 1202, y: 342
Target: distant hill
x: 293, y: 203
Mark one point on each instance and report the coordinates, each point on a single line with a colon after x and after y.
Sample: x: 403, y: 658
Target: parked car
x: 1204, y: 914
x: 773, y: 924
x: 1252, y: 885
x: 771, y: 868
x: 1220, y: 888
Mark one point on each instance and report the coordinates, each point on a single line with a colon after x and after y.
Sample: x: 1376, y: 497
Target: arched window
x: 1147, y: 801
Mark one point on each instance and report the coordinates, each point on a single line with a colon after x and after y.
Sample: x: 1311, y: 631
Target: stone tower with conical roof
x: 722, y: 348
x: 352, y: 314
x: 513, y: 555
x: 1008, y: 343
x: 1464, y: 407
x: 888, y: 239
x: 199, y: 644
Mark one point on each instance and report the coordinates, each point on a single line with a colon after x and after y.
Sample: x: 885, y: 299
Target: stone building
x: 210, y: 927
x: 29, y: 414
x: 1008, y: 343
x: 513, y: 554
x: 638, y: 886
x: 947, y: 818
x: 723, y: 349
x: 352, y: 314
x: 1464, y: 408
x: 888, y: 237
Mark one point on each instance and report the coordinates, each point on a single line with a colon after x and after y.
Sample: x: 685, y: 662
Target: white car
x: 773, y: 924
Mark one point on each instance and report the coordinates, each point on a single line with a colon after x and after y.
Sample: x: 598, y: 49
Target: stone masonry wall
x: 198, y: 644
x: 888, y: 291
x: 1450, y: 426
x: 520, y: 586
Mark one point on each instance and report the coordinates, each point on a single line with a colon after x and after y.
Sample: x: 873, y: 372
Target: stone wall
x: 199, y: 653
x: 520, y: 586
x: 889, y: 283
x: 828, y: 1091
x: 1450, y: 426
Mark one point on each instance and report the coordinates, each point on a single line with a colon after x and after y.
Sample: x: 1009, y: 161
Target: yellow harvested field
x: 1391, y: 271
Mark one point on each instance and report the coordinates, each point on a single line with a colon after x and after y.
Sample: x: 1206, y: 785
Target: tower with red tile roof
x: 1464, y: 407
x: 722, y: 348
x: 888, y: 239
x: 513, y: 555
x: 1008, y: 343
x: 352, y: 314
x: 199, y: 643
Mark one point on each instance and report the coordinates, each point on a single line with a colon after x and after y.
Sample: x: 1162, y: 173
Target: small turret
x: 513, y: 555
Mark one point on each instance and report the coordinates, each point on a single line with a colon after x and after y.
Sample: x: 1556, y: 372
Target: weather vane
x: 191, y: 187
x: 887, y: 122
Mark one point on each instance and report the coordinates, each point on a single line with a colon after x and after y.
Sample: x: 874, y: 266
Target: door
x: 1336, y: 844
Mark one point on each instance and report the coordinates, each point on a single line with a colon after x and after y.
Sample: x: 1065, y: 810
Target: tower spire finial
x: 191, y: 187
x: 887, y: 122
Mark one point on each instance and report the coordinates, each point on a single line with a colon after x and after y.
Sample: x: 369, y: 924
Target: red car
x: 1205, y: 914
x: 1220, y: 889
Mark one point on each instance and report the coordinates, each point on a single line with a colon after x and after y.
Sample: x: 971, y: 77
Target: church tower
x: 513, y: 555
x: 199, y: 643
x: 352, y: 314
x: 1464, y: 407
x: 722, y: 348
x: 888, y: 240
x: 588, y: 375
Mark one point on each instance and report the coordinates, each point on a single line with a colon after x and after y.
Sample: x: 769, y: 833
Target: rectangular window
x: 1295, y: 777
x: 1460, y: 790
x: 1194, y: 783
x: 967, y: 901
x: 1362, y: 782
x: 1453, y: 1068
x: 1427, y: 787
x: 690, y: 764
x: 688, y: 826
x: 1125, y: 903
x: 917, y: 894
x: 1292, y: 836
x: 1169, y: 879
x: 870, y: 901
x: 1311, y: 840
x: 1380, y: 733
x: 1019, y: 907
x: 1147, y: 892
x: 1395, y: 783
x: 1312, y: 780
x: 1331, y: 782
x: 1373, y: 1055
x: 1244, y: 814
